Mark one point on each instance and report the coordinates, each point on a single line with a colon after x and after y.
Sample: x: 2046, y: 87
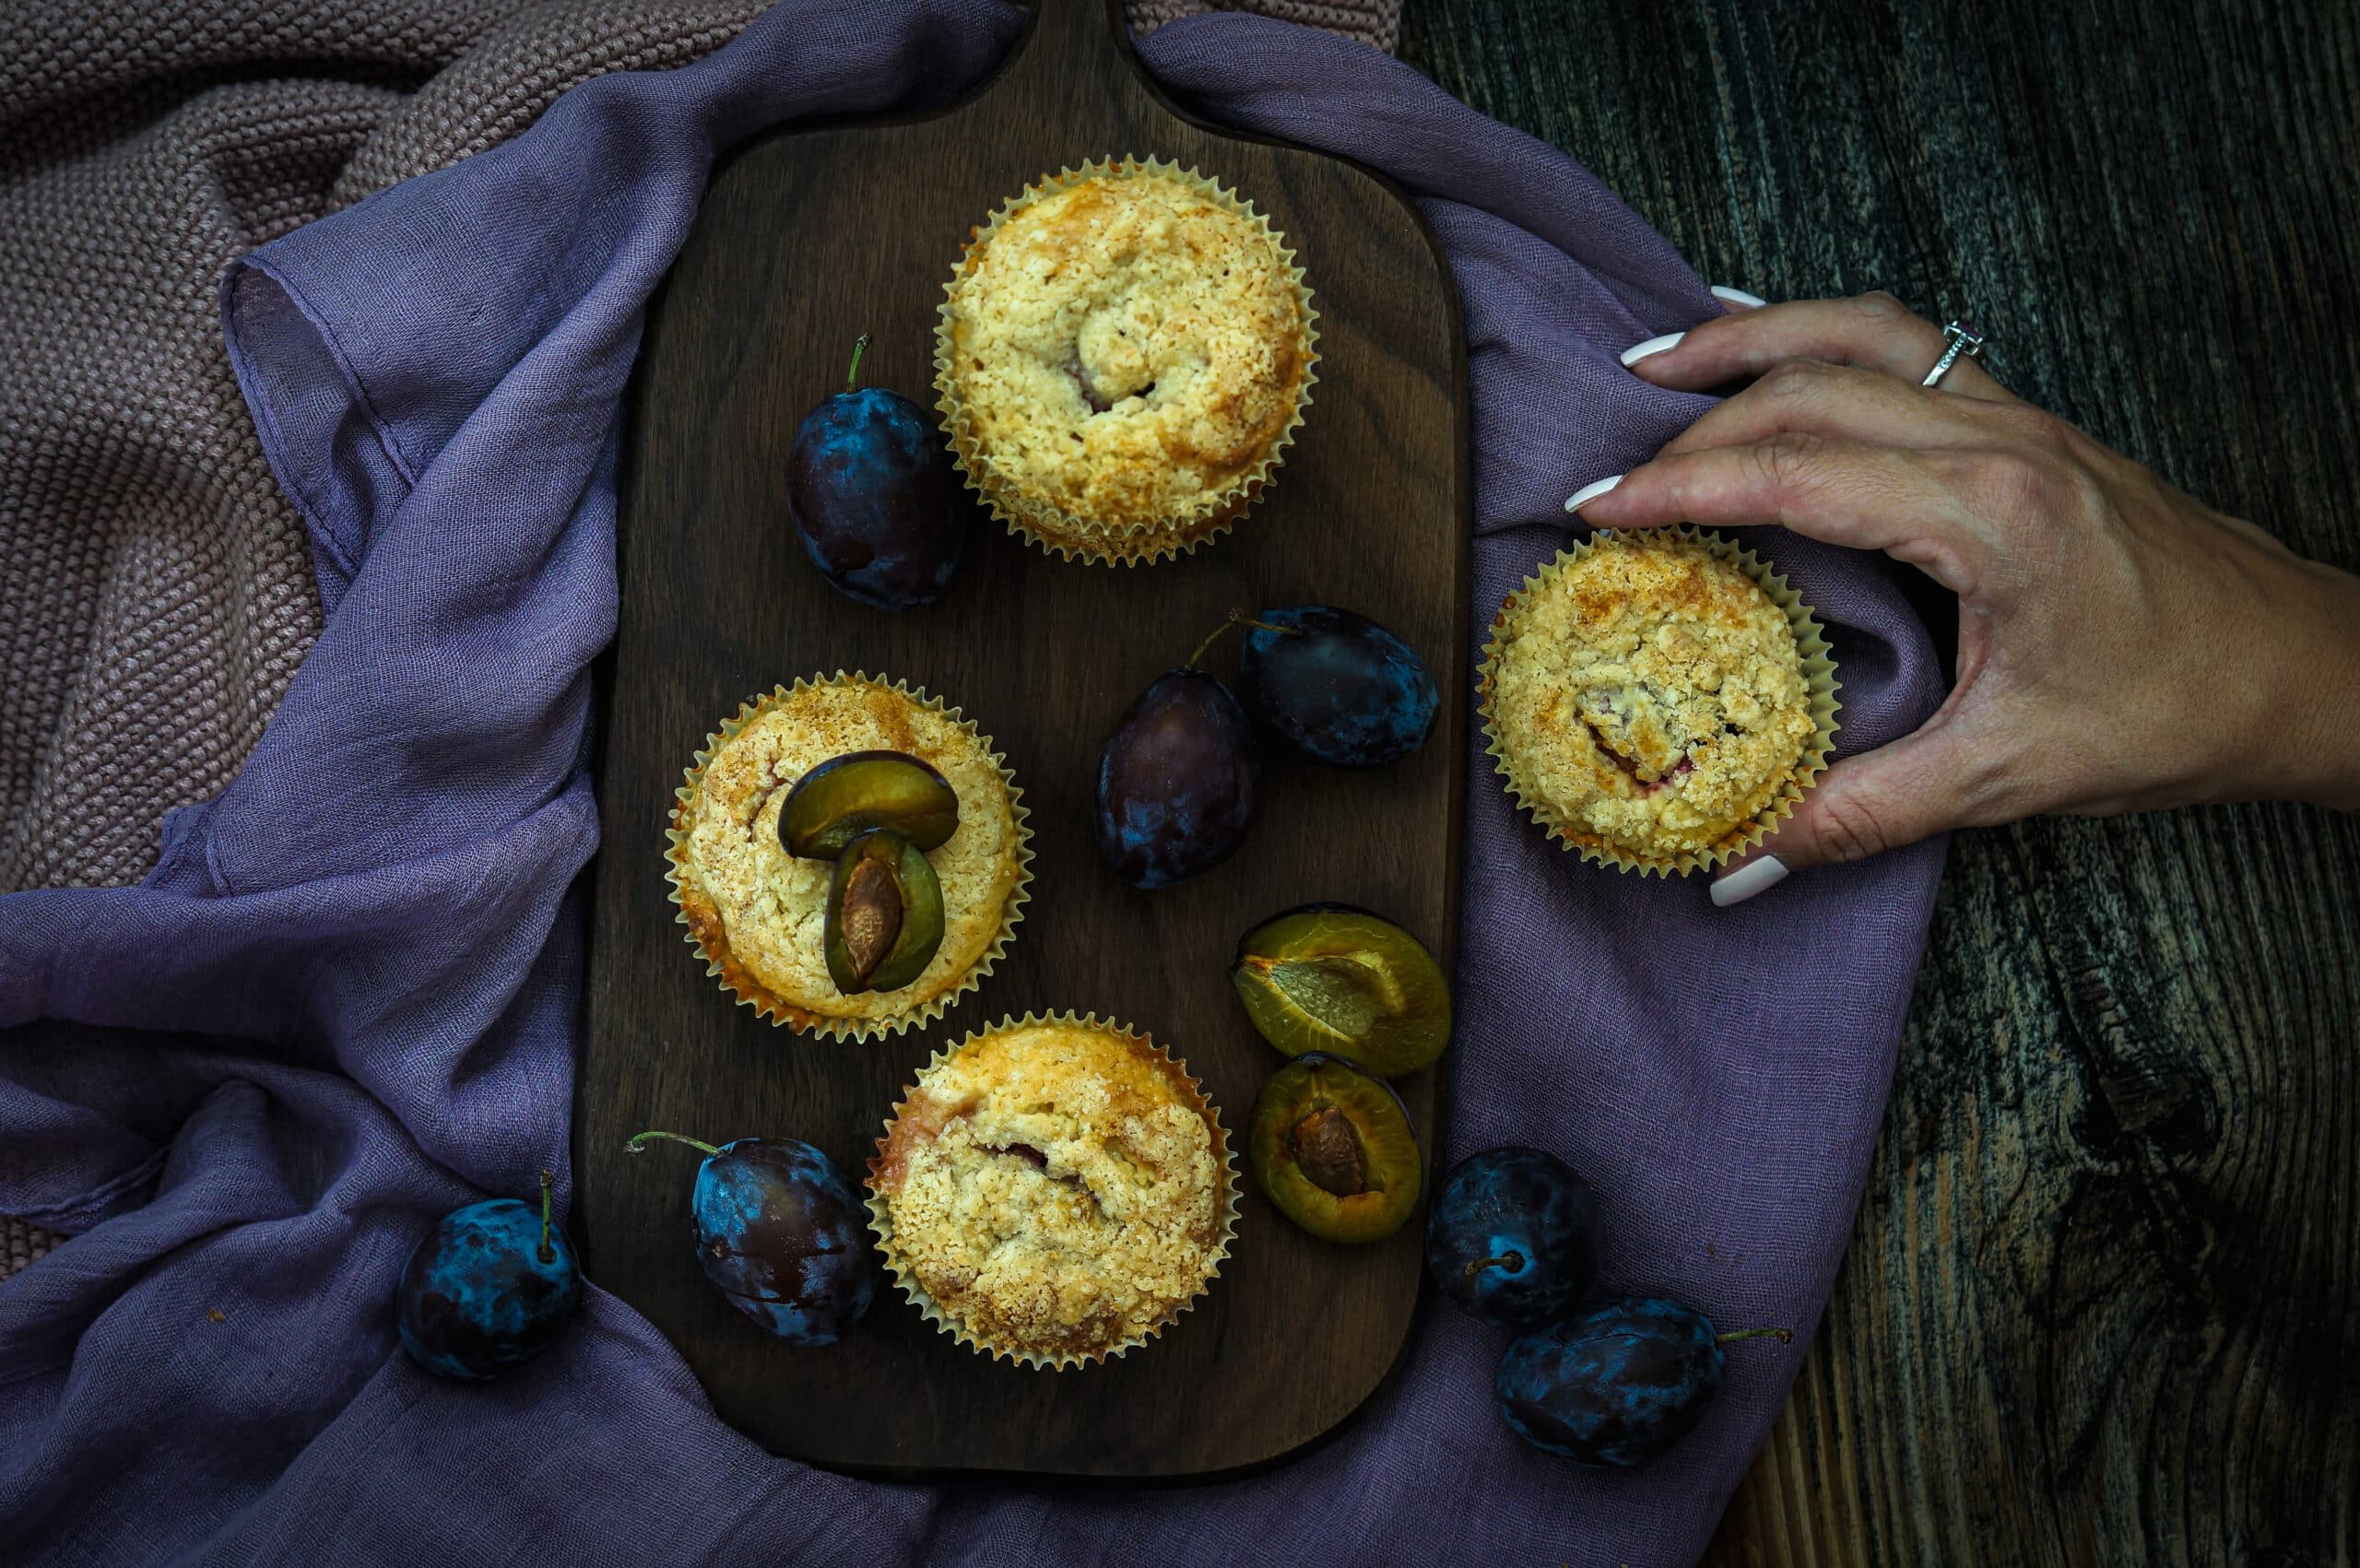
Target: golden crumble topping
x: 1647, y: 697
x: 1121, y: 353
x: 1056, y: 1187
x: 761, y: 912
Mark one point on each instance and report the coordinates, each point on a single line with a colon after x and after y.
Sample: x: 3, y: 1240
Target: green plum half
x: 846, y: 796
x: 1333, y: 1148
x: 1330, y: 977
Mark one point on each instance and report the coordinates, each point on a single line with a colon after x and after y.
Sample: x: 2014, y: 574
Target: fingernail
x: 1591, y: 493
x: 1738, y: 297
x: 1638, y: 351
x: 1761, y: 871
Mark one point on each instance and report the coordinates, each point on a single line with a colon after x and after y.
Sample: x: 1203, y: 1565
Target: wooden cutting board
x: 806, y: 238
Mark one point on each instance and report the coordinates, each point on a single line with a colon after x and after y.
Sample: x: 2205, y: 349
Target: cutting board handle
x: 1078, y: 52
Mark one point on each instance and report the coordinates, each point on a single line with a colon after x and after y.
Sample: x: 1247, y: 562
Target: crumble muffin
x: 758, y: 914
x: 1054, y: 1190
x: 1124, y: 351
x: 1657, y: 700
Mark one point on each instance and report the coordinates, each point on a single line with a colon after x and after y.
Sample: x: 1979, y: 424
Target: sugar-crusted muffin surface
x: 761, y: 912
x: 1121, y: 355
x: 1647, y: 697
x: 1056, y: 1187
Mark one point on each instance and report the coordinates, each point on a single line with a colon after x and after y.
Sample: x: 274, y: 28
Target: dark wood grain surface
x: 805, y: 240
x: 2102, y: 1302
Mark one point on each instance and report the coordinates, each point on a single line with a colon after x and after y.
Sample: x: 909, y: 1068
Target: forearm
x: 2320, y: 683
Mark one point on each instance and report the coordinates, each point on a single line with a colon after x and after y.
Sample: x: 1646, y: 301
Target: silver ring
x: 1966, y: 343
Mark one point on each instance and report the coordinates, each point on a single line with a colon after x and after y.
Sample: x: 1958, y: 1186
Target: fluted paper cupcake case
x: 733, y: 977
x: 880, y: 1217
x: 1819, y: 675
x: 1052, y: 527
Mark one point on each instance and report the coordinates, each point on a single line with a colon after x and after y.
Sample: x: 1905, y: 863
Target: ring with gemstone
x: 1965, y: 342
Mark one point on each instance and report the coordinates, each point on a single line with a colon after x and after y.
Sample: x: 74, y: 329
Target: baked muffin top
x: 1647, y: 697
x: 762, y: 913
x: 1056, y: 1187
x: 1125, y: 349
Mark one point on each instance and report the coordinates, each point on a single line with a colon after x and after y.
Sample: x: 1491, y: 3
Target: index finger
x: 1871, y: 497
x: 1873, y: 332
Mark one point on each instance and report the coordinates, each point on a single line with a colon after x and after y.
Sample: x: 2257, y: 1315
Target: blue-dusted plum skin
x: 1175, y: 782
x: 783, y: 1235
x: 1338, y: 687
x: 875, y: 501
x: 1512, y: 1236
x: 1617, y: 1383
x: 475, y: 1297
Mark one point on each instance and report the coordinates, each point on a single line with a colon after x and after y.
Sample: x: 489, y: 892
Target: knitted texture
x: 20, y: 1244
x: 1376, y: 22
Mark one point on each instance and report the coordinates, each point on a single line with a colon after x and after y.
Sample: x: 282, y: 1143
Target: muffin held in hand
x: 1125, y: 350
x: 1054, y: 1190
x: 1657, y: 700
x: 759, y: 911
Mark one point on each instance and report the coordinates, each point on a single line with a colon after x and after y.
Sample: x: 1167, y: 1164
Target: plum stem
x: 852, y: 376
x: 1236, y: 617
x: 1207, y: 642
x: 1785, y: 1336
x: 549, y: 1252
x: 1239, y: 618
x: 1511, y: 1261
x: 639, y: 1145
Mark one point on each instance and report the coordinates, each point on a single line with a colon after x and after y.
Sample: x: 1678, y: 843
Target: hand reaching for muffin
x: 2122, y: 646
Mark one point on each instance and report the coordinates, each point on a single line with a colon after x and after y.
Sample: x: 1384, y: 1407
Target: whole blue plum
x: 874, y: 498
x: 1512, y: 1236
x: 782, y: 1236
x: 1618, y: 1382
x: 1176, y: 781
x: 490, y: 1287
x: 1336, y: 685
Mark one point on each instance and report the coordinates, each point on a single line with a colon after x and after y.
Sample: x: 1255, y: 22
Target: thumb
x: 1912, y: 789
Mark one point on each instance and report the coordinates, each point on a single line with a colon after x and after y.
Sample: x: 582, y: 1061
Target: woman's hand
x: 2121, y: 645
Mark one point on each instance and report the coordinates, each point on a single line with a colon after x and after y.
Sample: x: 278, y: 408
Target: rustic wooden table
x: 2103, y: 1298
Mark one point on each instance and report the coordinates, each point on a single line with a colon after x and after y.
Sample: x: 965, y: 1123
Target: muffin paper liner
x: 1819, y: 676
x: 881, y: 1217
x: 734, y: 978
x: 1050, y: 526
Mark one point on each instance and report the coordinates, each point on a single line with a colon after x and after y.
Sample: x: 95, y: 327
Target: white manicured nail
x: 1762, y: 871
x: 1638, y: 351
x: 1589, y: 493
x: 1738, y: 297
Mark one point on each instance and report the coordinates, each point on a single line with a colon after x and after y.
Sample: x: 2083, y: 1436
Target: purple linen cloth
x: 346, y: 999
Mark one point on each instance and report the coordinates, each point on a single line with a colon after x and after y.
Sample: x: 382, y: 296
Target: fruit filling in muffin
x: 1648, y: 698
x: 1056, y: 1189
x: 1123, y: 354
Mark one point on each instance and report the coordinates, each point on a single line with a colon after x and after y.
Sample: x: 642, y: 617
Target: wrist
x: 2317, y: 753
